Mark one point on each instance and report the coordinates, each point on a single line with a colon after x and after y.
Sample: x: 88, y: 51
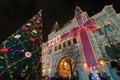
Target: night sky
x: 15, y: 13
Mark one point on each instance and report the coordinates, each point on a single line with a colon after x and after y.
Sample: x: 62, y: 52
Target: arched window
x: 74, y: 41
x: 50, y: 51
x: 99, y: 32
x: 55, y: 48
x: 108, y: 50
x: 108, y: 27
x: 69, y: 42
x: 64, y: 44
x: 59, y: 46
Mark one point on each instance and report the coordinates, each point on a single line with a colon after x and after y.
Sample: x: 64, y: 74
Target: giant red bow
x: 85, y: 42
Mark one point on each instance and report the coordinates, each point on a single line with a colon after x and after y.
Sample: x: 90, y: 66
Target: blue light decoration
x: 20, y: 54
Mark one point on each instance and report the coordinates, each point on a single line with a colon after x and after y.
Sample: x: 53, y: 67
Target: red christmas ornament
x: 41, y: 37
x: 32, y: 39
x: 24, y: 28
x: 4, y: 49
x: 38, y: 18
x: 32, y: 19
x: 36, y: 25
x: 40, y: 59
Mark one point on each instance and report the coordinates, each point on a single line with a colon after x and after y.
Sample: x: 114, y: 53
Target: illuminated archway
x: 64, y: 66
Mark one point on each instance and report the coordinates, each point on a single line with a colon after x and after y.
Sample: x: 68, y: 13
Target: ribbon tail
x: 88, y: 49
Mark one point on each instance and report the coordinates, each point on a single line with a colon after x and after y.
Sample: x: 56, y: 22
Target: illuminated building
x: 85, y: 37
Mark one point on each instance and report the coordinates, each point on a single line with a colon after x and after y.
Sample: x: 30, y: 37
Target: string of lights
x: 20, y: 54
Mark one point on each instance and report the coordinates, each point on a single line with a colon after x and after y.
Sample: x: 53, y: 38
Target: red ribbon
x: 85, y: 42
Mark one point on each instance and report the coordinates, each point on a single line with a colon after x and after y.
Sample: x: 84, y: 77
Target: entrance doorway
x: 65, y: 66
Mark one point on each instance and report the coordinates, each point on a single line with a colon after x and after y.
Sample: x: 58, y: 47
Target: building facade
x: 84, y: 42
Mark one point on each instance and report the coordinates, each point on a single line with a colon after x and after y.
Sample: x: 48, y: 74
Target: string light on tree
x: 20, y: 54
x: 28, y: 54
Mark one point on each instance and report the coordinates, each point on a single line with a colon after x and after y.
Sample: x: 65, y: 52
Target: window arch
x: 55, y: 48
x: 59, y: 46
x: 108, y: 27
x: 74, y: 40
x: 69, y: 42
x: 99, y: 32
x: 64, y: 44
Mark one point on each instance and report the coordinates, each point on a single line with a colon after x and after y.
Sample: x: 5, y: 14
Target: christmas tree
x: 20, y: 54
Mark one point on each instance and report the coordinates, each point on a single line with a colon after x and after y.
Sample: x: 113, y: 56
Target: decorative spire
x: 78, y: 11
x: 55, y: 27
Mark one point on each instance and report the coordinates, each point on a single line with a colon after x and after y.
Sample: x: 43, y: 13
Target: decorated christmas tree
x: 20, y: 54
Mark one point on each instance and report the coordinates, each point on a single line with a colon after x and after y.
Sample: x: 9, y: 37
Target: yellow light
x: 85, y: 65
x: 49, y: 69
x: 102, y: 62
x: 43, y: 71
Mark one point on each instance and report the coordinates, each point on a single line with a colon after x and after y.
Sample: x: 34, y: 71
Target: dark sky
x: 15, y: 13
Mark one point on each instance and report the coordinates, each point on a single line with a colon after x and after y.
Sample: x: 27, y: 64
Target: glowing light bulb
x: 102, y: 62
x: 17, y: 36
x: 28, y: 54
x: 34, y: 31
x: 85, y: 65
